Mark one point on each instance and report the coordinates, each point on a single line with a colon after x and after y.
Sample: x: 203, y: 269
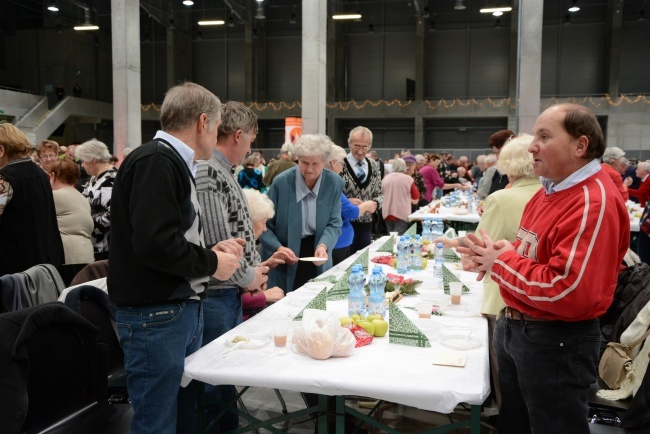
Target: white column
x: 314, y: 66
x: 127, y: 111
x: 529, y: 68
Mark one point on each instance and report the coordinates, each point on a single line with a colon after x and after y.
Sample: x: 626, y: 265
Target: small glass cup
x: 455, y: 290
x: 280, y: 328
x: 424, y: 309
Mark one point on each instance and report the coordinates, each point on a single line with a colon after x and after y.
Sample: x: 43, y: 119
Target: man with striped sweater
x: 362, y: 182
x: 225, y: 216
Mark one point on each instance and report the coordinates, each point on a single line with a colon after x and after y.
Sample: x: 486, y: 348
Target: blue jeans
x: 222, y: 312
x: 545, y: 369
x: 155, y: 341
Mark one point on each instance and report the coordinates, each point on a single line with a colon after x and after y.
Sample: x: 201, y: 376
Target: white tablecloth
x: 392, y: 372
x: 446, y: 214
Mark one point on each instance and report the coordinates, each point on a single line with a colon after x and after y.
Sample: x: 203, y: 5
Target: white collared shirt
x: 187, y: 153
x: 355, y: 167
x: 575, y: 178
x: 307, y: 199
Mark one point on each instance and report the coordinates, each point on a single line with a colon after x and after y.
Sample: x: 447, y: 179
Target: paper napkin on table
x: 451, y: 255
x: 448, y: 276
x: 363, y: 259
x: 387, y: 246
x: 330, y: 279
x: 341, y: 289
x: 319, y: 302
x: 401, y: 330
x: 412, y: 231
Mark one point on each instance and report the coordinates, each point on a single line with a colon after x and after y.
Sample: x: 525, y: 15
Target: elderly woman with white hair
x: 614, y: 164
x: 400, y: 192
x: 307, y: 222
x: 350, y: 210
x: 95, y: 158
x: 260, y: 209
x: 501, y: 217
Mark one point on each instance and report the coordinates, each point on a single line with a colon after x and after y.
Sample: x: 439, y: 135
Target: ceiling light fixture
x: 497, y: 13
x: 212, y: 23
x: 293, y: 20
x: 460, y: 5
x: 346, y: 16
x: 497, y: 9
x: 87, y: 25
x: 574, y: 7
x: 231, y: 21
x: 52, y: 7
x: 259, y: 14
x: 188, y: 2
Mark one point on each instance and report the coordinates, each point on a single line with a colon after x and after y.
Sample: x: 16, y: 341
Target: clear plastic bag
x: 320, y: 336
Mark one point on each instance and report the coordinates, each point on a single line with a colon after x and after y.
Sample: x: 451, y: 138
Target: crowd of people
x: 200, y: 234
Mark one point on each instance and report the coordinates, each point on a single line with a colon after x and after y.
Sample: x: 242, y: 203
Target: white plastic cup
x: 424, y: 309
x: 455, y: 290
x: 280, y: 327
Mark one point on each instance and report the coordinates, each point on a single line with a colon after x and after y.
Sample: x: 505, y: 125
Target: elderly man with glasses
x: 362, y: 182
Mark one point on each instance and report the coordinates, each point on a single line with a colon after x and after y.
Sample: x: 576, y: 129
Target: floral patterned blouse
x: 98, y: 193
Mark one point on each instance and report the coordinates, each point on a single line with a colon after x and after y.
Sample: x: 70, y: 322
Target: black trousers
x: 306, y: 270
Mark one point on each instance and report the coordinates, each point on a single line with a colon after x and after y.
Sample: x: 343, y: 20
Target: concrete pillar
x: 127, y: 111
x: 421, y: 27
x: 529, y: 70
x: 314, y: 66
x: 419, y: 130
x: 614, y: 24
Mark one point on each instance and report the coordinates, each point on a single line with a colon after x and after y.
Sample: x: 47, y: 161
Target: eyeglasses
x: 360, y: 146
x: 49, y: 157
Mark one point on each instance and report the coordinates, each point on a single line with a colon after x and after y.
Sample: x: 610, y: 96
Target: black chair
x: 605, y: 415
x: 93, y: 304
x: 52, y: 369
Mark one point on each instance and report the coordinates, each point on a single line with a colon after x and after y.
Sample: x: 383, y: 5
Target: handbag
x: 616, y: 362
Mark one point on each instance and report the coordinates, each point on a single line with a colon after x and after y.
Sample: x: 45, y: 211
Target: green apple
x: 374, y: 316
x: 381, y: 327
x: 355, y: 316
x: 345, y: 320
x: 367, y: 326
x: 359, y: 320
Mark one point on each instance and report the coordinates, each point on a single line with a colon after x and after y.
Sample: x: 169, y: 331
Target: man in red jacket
x: 557, y: 278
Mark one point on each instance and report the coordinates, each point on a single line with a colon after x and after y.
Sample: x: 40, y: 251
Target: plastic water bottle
x: 402, y: 260
x: 416, y: 258
x: 377, y: 300
x: 438, y: 260
x: 436, y: 228
x: 357, y: 298
x: 409, y: 251
x: 426, y: 230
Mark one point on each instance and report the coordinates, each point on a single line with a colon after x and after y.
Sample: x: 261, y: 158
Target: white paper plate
x: 460, y: 342
x: 312, y: 259
x: 256, y: 341
x: 459, y: 311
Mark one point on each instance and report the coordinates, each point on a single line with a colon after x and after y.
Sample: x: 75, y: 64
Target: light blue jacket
x: 285, y: 227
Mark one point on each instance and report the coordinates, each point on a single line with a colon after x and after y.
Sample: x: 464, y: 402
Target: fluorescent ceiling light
x: 497, y: 13
x: 188, y: 2
x: 52, y: 7
x: 212, y: 23
x: 574, y: 9
x: 346, y: 16
x: 492, y: 10
x: 87, y: 27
